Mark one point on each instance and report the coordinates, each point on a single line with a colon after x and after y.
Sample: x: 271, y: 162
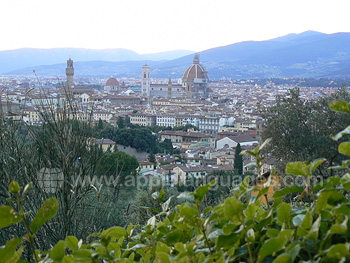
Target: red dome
x: 195, y: 71
x: 112, y: 82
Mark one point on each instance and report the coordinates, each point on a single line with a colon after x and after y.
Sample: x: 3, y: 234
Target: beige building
x: 143, y: 119
x: 180, y: 137
x: 105, y: 144
x: 184, y: 172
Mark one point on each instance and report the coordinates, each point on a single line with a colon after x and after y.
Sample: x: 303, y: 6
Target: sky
x: 151, y: 26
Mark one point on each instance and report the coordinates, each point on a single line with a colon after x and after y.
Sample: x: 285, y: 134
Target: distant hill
x: 31, y: 57
x: 309, y: 54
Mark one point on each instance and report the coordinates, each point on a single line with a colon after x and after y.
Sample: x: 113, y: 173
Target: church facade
x: 195, y: 83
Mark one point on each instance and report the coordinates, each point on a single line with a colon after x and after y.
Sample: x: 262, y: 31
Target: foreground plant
x: 10, y: 215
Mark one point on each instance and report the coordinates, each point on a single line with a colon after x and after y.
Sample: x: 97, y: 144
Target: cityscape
x: 174, y: 131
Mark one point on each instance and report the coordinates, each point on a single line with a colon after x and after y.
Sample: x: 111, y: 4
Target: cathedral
x: 195, y: 83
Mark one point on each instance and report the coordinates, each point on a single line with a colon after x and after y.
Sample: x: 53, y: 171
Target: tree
x: 300, y: 129
x: 120, y: 122
x: 166, y: 146
x: 238, y: 162
x: 119, y: 165
x: 100, y: 125
x: 151, y: 158
x: 115, y: 163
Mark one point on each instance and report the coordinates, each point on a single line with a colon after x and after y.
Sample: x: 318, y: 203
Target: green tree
x: 166, y: 146
x: 238, y: 162
x: 100, y: 125
x: 117, y: 163
x: 120, y: 122
x: 300, y: 129
x: 151, y: 158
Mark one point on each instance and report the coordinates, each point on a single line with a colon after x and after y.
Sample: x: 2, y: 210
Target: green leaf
x: 162, y: 257
x: 288, y: 190
x: 315, y: 164
x: 338, y: 250
x: 233, y: 209
x: 293, y: 250
x: 250, y: 211
x: 9, y: 250
x: 174, y: 237
x: 251, y: 235
x: 72, y: 242
x: 341, y: 134
x: 14, y: 187
x: 165, y: 205
x: 267, y: 141
x: 344, y: 148
x: 47, y: 211
x: 8, y: 216
x: 27, y: 187
x: 341, y: 106
x: 298, y: 219
x: 269, y: 247
x: 298, y: 168
x: 322, y: 201
x: 58, y: 251
x: 283, y: 258
x: 247, y: 152
x: 202, y: 190
x: 161, y: 247
x: 161, y: 196
x: 180, y: 247
x: 67, y: 259
x: 343, y: 209
x: 152, y: 221
x: 187, y: 196
x: 155, y: 195
x: 15, y: 257
x: 188, y: 212
x: 272, y: 232
x: 116, y: 232
x: 340, y: 228
x: 283, y: 213
x: 305, y: 225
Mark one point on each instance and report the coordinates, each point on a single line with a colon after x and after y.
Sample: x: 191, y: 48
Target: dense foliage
x: 239, y: 229
x: 300, y: 129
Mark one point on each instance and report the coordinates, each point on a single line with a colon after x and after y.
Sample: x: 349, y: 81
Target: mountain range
x: 310, y: 54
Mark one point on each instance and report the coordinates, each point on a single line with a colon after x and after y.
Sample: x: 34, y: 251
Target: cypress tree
x: 238, y: 163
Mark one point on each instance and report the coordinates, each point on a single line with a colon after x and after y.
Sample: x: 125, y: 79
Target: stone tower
x: 146, y: 80
x: 67, y: 91
x: 170, y: 86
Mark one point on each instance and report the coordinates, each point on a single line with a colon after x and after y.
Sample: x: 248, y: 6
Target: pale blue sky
x: 148, y: 26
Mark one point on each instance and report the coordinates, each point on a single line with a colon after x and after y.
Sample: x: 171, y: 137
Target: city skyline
x: 157, y: 26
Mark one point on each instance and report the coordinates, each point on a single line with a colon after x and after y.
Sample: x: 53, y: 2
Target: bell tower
x: 69, y: 73
x: 67, y: 91
x: 169, y: 88
x: 146, y: 81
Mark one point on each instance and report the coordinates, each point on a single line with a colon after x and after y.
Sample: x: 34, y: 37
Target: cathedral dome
x: 112, y: 82
x: 195, y: 71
